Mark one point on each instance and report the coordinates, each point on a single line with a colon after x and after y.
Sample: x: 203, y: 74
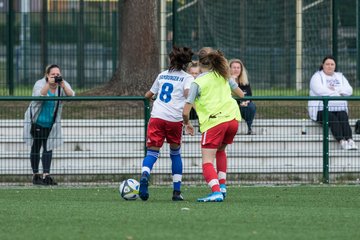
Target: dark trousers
x: 248, y: 114
x: 338, y: 123
x: 40, y: 136
x: 193, y: 114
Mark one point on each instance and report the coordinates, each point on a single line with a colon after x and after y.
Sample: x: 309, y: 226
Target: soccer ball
x: 129, y: 189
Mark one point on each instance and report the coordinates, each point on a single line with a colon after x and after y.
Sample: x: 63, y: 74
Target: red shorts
x: 223, y: 133
x: 159, y: 130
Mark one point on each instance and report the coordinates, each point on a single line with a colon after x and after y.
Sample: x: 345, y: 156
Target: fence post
x: 174, y: 22
x: 358, y: 42
x: 10, y: 48
x: 334, y: 29
x: 114, y: 41
x: 146, y: 118
x: 80, y: 51
x: 325, y: 124
x: 43, y: 33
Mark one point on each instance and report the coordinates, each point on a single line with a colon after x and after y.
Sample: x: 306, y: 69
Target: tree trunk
x: 138, y: 54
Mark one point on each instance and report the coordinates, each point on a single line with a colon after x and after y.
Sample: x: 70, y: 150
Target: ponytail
x: 217, y: 62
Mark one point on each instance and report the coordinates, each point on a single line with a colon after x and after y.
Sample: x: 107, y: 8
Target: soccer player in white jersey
x: 171, y: 88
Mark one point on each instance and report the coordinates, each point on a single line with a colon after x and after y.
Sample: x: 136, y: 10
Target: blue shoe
x: 223, y: 190
x: 213, y: 197
x: 143, y: 190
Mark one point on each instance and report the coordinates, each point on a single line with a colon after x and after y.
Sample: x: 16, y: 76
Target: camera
x: 58, y: 79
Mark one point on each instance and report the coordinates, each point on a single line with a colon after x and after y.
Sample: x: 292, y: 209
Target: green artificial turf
x: 291, y: 212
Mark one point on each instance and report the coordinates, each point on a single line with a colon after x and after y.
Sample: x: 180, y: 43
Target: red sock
x: 211, y: 177
x: 221, y: 166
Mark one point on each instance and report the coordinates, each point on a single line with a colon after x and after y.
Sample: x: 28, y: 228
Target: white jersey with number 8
x: 169, y: 87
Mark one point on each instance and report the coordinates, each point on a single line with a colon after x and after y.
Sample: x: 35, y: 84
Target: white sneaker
x: 351, y: 145
x: 344, y: 144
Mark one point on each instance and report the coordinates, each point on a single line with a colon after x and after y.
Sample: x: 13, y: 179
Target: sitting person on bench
x: 328, y: 82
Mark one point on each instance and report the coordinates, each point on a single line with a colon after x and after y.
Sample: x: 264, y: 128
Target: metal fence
x: 79, y: 36
x: 281, y: 42
x: 104, y: 142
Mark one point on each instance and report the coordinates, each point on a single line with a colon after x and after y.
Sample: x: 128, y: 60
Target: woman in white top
x: 328, y: 82
x: 166, y: 122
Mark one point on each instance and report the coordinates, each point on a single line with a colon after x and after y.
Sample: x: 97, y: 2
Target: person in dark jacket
x: 247, y: 108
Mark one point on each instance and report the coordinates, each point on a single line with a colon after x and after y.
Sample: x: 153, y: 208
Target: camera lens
x: 58, y: 79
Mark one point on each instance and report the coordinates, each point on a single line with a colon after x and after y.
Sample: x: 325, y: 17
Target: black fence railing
x: 104, y: 142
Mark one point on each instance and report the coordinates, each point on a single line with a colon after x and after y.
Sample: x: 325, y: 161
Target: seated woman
x: 247, y: 108
x: 328, y: 82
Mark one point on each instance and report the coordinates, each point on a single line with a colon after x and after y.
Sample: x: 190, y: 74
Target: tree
x: 138, y: 54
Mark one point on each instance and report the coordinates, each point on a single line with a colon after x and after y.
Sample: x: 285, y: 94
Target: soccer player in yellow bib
x: 219, y: 116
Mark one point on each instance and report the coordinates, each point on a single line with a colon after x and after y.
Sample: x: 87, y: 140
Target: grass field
x: 293, y: 212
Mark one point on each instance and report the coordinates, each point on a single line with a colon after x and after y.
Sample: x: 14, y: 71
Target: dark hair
x: 326, y: 58
x: 180, y: 57
x: 216, y: 61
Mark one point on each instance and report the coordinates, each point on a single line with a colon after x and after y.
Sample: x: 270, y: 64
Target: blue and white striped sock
x: 176, y: 168
x: 149, y: 161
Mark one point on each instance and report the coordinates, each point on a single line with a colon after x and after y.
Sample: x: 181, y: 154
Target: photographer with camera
x: 42, y: 127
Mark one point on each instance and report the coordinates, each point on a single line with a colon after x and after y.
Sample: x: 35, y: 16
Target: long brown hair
x: 180, y: 57
x: 216, y: 61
